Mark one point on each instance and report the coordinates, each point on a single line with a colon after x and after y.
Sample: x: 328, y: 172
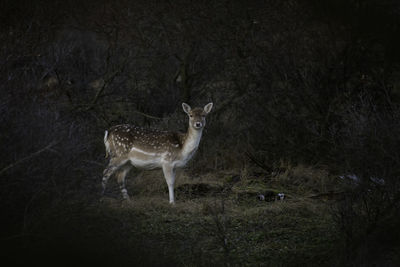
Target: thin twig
x: 12, y: 165
x: 94, y: 162
x: 147, y: 115
x: 257, y: 162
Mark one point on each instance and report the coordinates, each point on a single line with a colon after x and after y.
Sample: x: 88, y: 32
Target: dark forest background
x: 293, y: 82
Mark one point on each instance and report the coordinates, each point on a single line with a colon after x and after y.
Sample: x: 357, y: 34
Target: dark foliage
x: 306, y: 82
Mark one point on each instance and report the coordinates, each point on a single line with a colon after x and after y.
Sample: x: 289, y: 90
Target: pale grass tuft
x: 305, y: 179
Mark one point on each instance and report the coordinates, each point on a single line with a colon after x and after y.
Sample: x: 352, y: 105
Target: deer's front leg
x: 169, y: 174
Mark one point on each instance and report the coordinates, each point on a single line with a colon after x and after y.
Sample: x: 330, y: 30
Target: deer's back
x: 136, y: 141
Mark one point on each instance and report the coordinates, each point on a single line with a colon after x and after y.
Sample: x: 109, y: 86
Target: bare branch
x: 12, y: 165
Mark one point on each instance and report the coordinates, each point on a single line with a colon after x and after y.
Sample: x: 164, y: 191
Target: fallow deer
x: 132, y: 146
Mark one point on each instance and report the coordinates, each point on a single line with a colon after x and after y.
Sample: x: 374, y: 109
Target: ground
x: 218, y: 219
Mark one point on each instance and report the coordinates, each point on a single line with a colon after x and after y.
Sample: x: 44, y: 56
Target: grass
x: 221, y: 224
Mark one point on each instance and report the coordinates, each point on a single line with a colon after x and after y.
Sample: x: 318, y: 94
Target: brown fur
x: 123, y: 137
x: 132, y: 146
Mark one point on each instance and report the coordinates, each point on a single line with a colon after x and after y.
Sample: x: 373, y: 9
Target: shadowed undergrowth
x: 296, y: 85
x: 211, y: 224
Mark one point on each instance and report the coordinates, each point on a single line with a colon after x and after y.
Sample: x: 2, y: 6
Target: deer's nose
x: 197, y: 124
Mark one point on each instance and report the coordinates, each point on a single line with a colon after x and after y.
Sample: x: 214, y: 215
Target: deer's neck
x: 191, y: 142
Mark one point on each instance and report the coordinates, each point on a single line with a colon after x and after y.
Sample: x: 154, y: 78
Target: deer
x: 130, y: 146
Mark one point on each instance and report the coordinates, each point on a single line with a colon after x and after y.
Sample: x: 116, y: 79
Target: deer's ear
x: 186, y: 108
x: 208, y: 107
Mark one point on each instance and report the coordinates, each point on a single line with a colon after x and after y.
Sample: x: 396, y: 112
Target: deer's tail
x: 106, y: 143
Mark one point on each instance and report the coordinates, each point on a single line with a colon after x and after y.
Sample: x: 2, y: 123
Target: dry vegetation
x: 306, y: 98
x: 213, y: 225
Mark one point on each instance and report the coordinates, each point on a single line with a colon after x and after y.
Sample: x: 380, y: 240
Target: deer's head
x: 197, y: 116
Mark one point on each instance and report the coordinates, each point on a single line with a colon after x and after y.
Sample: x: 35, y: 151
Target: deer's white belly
x: 145, y: 160
x: 152, y: 160
x: 147, y: 164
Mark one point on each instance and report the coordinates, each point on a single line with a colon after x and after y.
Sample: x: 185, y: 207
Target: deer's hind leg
x: 112, y: 167
x: 122, y: 172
